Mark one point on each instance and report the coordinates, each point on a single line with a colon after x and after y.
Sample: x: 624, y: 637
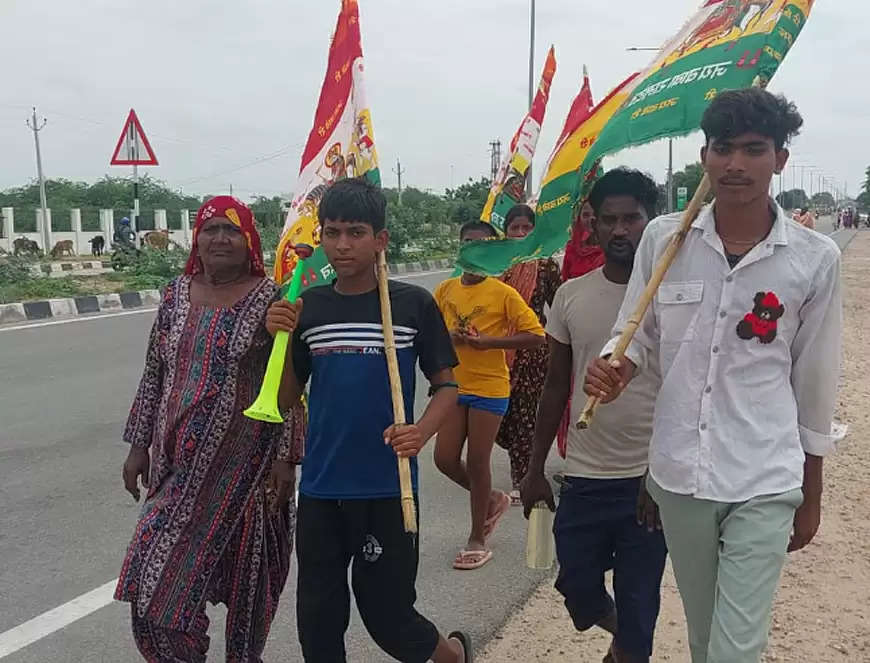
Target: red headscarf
x: 581, y: 256
x: 240, y: 215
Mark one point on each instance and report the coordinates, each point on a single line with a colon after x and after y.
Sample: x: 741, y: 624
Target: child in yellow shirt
x: 485, y: 317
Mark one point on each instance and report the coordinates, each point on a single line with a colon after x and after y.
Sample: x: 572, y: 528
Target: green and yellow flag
x: 725, y: 45
x: 553, y: 224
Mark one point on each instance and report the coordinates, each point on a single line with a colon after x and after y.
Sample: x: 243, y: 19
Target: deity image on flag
x: 731, y: 20
x: 341, y: 145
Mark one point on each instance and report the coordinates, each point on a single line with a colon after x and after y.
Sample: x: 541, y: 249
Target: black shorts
x: 370, y: 533
x: 596, y: 530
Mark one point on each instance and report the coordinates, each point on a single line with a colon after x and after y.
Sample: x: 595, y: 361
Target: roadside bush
x: 156, y: 262
x: 14, y: 269
x: 39, y: 288
x: 18, y: 284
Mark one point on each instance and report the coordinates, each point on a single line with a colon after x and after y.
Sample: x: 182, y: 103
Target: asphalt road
x: 66, y: 520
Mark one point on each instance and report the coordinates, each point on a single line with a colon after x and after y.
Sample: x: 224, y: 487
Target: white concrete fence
x: 81, y: 239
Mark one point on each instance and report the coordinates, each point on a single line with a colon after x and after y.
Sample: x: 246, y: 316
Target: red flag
x: 580, y: 110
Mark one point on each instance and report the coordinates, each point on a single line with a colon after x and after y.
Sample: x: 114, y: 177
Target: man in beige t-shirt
x: 605, y: 518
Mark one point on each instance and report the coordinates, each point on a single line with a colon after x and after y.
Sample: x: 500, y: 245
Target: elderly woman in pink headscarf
x: 216, y: 524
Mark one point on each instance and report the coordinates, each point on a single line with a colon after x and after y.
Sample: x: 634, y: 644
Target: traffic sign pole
x: 134, y: 142
x: 127, y: 154
x: 135, y: 199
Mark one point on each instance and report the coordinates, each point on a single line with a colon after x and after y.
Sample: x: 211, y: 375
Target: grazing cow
x: 63, y: 247
x: 97, y: 243
x: 156, y: 239
x: 23, y: 246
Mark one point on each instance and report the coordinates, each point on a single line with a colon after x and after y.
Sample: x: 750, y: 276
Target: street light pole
x: 670, y: 175
x: 804, y: 168
x: 531, y: 85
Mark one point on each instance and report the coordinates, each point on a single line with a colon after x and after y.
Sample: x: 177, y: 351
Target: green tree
x: 105, y: 193
x: 690, y: 177
x: 401, y: 223
x: 268, y: 211
x: 793, y: 198
x: 467, y: 200
x: 823, y: 200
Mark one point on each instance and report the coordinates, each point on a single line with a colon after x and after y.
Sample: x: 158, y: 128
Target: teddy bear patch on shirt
x: 761, y: 322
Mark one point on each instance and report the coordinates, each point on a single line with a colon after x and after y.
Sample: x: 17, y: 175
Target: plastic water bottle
x: 540, y: 545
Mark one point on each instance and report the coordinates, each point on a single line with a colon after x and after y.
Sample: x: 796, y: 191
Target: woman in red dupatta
x: 537, y: 282
x: 210, y: 528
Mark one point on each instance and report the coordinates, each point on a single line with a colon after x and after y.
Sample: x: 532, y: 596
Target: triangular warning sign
x: 131, y: 144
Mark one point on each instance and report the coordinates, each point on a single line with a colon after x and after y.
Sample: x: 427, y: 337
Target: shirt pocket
x: 679, y: 303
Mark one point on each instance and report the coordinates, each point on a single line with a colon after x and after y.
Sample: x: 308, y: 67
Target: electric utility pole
x: 399, y: 172
x: 36, y: 127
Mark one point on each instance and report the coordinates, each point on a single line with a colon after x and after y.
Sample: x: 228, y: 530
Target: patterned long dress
x: 528, y: 371
x: 205, y: 531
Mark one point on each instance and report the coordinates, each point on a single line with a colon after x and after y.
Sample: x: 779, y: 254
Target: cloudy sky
x: 226, y: 90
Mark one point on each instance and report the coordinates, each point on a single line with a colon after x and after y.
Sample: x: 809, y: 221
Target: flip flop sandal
x: 492, y: 521
x: 469, y: 560
x: 465, y: 640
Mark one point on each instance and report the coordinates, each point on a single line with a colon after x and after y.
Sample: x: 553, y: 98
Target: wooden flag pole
x: 409, y: 509
x: 652, y: 286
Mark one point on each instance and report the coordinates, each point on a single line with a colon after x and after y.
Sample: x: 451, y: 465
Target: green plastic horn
x: 265, y: 408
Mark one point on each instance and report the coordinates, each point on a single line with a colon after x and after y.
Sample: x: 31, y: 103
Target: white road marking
x: 57, y: 618
x: 60, y: 617
x: 89, y: 318
x: 103, y: 316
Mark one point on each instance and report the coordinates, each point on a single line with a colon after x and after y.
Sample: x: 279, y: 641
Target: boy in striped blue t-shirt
x: 349, y: 497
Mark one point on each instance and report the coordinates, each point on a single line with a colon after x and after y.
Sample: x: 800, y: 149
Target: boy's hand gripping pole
x: 409, y: 509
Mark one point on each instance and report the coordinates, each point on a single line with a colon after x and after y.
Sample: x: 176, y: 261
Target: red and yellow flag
x: 341, y: 144
x: 509, y: 187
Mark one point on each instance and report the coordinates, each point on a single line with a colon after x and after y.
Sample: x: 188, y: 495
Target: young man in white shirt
x: 746, y: 329
x: 605, y: 518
